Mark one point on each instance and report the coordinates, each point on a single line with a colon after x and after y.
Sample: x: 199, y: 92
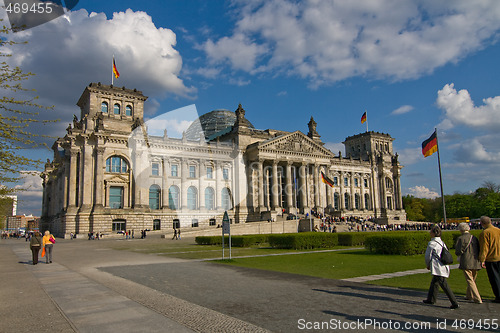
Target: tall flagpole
x: 112, y: 70
x: 440, y: 178
x: 366, y: 121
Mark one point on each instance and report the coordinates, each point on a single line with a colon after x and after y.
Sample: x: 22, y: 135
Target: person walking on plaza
x: 48, y: 242
x: 35, y: 246
x: 489, y: 254
x: 467, y: 250
x: 440, y: 272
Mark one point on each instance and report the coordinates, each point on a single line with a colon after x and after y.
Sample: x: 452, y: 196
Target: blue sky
x: 412, y: 65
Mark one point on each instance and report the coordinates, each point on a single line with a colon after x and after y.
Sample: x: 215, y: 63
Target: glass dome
x: 211, y: 123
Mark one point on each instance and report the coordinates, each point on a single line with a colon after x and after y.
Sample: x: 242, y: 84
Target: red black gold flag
x: 115, y: 70
x: 429, y: 146
x: 326, y: 180
x: 363, y: 118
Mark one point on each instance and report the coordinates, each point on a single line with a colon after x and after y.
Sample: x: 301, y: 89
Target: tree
x: 16, y: 115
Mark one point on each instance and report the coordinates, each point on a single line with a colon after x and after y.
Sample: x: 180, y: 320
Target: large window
x: 116, y: 164
x: 336, y: 181
x: 174, y: 170
x: 356, y: 201
x: 347, y: 198
x: 104, y: 107
x: 367, y: 201
x: 173, y: 197
x: 155, y: 169
x: 225, y: 174
x: 192, y: 171
x: 154, y: 197
x: 226, y: 199
x: 156, y: 224
x: 116, y: 197
x: 116, y: 108
x: 119, y: 225
x: 346, y: 181
x: 210, y: 172
x: 128, y: 110
x: 336, y: 201
x: 209, y: 198
x: 192, y: 196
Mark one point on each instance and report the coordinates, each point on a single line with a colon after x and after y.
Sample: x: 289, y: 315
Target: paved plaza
x: 92, y: 288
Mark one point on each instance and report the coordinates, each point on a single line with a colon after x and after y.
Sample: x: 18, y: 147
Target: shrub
x: 353, y: 238
x: 405, y: 243
x: 237, y: 241
x: 306, y: 240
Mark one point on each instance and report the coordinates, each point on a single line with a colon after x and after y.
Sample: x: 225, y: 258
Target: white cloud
x: 335, y: 147
x: 409, y: 156
x: 459, y: 109
x: 402, y: 109
x: 473, y: 151
x: 327, y: 41
x: 422, y: 192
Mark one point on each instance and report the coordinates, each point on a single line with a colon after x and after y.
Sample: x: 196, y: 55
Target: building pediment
x: 116, y: 179
x: 295, y: 142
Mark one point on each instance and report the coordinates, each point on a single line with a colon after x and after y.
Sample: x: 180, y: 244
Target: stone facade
x: 108, y: 174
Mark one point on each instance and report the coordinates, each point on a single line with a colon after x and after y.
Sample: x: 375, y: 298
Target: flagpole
x: 440, y: 178
x: 112, y: 72
x: 366, y: 120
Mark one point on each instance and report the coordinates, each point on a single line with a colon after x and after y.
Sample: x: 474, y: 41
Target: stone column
x: 329, y: 189
x: 184, y: 176
x: 99, y: 177
x: 164, y: 183
x: 353, y: 192
x: 342, y: 194
x: 72, y: 178
x: 250, y: 187
x: 317, y: 202
x: 261, y: 184
x: 288, y: 187
x: 87, y: 180
x: 303, y: 186
x: 362, y: 199
x: 275, y: 186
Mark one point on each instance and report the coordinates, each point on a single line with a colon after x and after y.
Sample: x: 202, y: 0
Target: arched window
x: 209, y: 198
x: 346, y: 200
x: 116, y: 108
x: 388, y: 183
x: 356, y: 201
x: 192, y: 196
x: 128, y: 110
x: 226, y: 199
x: 367, y: 201
x: 104, y: 107
x: 336, y: 201
x: 154, y: 197
x: 116, y: 164
x: 173, y: 197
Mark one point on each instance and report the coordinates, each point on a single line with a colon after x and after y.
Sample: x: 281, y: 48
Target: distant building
x: 109, y: 175
x: 22, y: 221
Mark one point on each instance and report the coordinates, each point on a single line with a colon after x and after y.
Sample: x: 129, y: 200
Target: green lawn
x: 343, y: 264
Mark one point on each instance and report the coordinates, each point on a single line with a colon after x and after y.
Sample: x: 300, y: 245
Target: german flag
x: 326, y: 180
x: 429, y: 146
x: 115, y: 70
x: 363, y: 118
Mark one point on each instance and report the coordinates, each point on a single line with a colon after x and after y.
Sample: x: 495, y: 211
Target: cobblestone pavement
x: 90, y: 288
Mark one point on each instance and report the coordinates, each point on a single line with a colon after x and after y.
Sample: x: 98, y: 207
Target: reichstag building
x: 108, y: 174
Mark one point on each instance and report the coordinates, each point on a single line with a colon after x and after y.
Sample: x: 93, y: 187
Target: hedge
x: 407, y: 243
x: 305, y: 240
x: 237, y: 241
x: 353, y: 238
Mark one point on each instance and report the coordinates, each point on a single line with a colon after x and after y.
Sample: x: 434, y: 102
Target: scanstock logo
x: 26, y: 14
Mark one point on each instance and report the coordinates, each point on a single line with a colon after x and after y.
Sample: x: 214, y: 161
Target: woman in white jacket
x: 440, y: 272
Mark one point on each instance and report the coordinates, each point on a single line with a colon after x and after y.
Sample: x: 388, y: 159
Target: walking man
x: 489, y: 254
